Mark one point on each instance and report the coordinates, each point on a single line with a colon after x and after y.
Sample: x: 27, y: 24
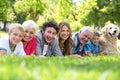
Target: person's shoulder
x: 4, y: 42
x: 20, y: 43
x: 55, y: 41
x: 38, y: 34
x: 74, y: 33
x: 88, y: 42
x: 4, y: 39
x: 34, y: 38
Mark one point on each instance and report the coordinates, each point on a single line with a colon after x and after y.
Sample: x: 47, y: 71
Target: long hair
x: 67, y: 45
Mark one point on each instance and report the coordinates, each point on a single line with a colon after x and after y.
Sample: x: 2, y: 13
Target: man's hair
x: 86, y: 28
x: 52, y: 24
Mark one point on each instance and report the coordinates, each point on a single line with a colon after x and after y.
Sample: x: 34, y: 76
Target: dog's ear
x: 104, y: 30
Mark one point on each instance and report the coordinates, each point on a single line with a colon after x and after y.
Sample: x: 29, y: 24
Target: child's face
x: 15, y: 36
x: 95, y: 39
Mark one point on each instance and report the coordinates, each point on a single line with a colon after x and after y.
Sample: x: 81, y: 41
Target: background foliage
x: 78, y: 13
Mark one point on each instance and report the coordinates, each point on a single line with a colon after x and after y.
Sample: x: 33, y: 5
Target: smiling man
x: 80, y: 38
x: 47, y: 44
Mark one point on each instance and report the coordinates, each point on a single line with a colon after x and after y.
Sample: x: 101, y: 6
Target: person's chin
x: 15, y: 43
x: 48, y: 42
x: 82, y: 42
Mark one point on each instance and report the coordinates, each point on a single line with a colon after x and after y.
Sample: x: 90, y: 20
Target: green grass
x: 2, y: 33
x: 101, y: 67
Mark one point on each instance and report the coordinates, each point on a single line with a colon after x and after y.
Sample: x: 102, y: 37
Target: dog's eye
x: 110, y: 28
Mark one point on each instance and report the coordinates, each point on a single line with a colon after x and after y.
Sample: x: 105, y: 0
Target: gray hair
x: 86, y: 28
x: 29, y: 24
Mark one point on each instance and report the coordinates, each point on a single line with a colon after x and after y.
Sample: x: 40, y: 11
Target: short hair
x: 15, y: 26
x: 87, y: 28
x: 96, y: 33
x: 52, y: 24
x: 29, y: 24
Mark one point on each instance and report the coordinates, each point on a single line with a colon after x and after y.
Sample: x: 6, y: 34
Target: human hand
x: 76, y: 55
x: 2, y: 52
x: 88, y: 53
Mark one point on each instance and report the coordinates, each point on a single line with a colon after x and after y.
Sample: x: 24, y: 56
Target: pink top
x: 30, y: 48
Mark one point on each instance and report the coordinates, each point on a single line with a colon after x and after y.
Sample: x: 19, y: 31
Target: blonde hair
x: 15, y: 26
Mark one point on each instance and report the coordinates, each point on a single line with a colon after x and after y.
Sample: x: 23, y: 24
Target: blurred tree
x: 4, y: 4
x: 98, y: 12
x: 28, y: 9
x: 86, y: 13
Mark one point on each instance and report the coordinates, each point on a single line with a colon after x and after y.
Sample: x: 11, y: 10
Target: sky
x: 77, y: 2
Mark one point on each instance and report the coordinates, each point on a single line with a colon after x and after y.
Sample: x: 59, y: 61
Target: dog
x: 108, y: 39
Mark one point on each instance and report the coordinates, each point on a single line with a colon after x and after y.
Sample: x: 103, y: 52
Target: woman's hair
x: 30, y: 24
x: 52, y: 24
x: 68, y: 43
x: 15, y: 26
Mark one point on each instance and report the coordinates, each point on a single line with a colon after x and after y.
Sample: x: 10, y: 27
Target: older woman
x: 64, y: 36
x: 29, y: 39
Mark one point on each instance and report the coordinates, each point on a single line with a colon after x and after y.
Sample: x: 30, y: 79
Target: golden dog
x: 108, y: 39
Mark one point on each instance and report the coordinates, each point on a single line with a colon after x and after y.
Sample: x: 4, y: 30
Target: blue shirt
x: 89, y: 46
x: 77, y: 47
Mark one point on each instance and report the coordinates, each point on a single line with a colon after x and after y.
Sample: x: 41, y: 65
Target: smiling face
x: 95, y: 39
x: 29, y: 34
x: 49, y: 34
x: 65, y: 33
x: 112, y: 30
x: 84, y: 36
x: 15, y: 36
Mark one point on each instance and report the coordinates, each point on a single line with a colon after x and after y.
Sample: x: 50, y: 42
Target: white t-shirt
x: 45, y: 50
x: 4, y: 45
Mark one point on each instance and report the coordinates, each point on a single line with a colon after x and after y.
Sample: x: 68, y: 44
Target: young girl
x: 11, y: 44
x: 29, y: 39
x: 64, y: 36
x: 92, y: 46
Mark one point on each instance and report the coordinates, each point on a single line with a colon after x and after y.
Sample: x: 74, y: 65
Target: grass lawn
x: 100, y: 67
x: 2, y: 33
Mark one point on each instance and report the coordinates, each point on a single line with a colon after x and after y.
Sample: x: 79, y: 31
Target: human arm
x: 3, y: 48
x: 2, y: 52
x: 38, y: 45
x: 57, y: 50
x: 19, y: 50
x: 87, y: 49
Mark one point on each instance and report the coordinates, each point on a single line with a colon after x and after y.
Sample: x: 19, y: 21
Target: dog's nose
x: 115, y: 31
